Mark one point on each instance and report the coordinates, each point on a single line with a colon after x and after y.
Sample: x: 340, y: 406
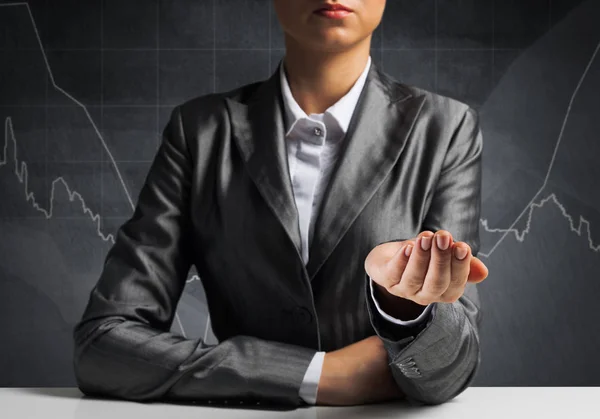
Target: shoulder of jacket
x: 212, y: 105
x: 442, y: 105
x: 438, y: 106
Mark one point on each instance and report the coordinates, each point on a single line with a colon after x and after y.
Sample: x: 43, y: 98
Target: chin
x: 333, y: 42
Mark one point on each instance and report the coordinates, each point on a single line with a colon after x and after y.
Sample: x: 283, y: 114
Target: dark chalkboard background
x: 86, y: 88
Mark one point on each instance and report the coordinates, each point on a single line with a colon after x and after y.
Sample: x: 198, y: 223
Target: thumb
x: 478, y: 271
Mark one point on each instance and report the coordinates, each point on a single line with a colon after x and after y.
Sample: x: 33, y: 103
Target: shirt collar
x: 341, y: 111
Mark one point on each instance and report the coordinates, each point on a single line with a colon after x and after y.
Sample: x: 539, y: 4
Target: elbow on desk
x: 97, y: 370
x: 84, y: 365
x: 87, y: 365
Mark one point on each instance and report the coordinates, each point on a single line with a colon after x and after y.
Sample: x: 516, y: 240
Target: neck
x: 318, y: 79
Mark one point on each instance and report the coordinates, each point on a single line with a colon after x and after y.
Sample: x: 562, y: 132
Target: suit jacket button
x: 302, y: 315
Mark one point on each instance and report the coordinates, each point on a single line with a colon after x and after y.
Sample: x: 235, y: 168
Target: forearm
x: 443, y: 362
x: 357, y: 374
x: 334, y: 377
x: 118, y: 357
x: 434, y: 362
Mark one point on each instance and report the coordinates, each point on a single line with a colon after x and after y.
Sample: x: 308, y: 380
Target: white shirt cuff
x: 310, y: 383
x: 411, y: 322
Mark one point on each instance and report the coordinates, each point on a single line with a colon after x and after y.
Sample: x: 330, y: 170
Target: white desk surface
x: 474, y: 402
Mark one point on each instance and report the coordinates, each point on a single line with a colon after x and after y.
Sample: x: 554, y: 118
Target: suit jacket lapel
x: 259, y: 132
x: 381, y: 123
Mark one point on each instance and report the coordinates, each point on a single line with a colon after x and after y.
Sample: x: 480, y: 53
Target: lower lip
x: 333, y: 14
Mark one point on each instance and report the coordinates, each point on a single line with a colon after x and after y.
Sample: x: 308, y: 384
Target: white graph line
x: 531, y: 204
x: 81, y: 105
x: 23, y: 177
x: 552, y: 196
x: 23, y: 173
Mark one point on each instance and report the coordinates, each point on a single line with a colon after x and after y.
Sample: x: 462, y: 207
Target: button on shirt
x: 313, y: 144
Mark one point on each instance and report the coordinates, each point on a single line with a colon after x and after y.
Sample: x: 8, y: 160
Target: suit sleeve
x: 122, y: 345
x: 433, y: 362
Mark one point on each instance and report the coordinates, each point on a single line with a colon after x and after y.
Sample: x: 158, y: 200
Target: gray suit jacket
x: 218, y: 196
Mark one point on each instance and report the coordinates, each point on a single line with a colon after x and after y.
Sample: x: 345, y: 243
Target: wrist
x: 398, y: 307
x: 334, y: 375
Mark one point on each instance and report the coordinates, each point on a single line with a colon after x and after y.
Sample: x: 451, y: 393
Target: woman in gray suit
x: 332, y: 214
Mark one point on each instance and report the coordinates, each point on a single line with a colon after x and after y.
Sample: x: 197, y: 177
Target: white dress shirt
x: 313, y: 146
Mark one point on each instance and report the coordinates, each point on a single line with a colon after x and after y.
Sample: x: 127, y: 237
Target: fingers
x: 416, y: 267
x: 378, y: 265
x: 461, y: 261
x: 439, y: 272
x: 433, y: 272
x: 396, y: 266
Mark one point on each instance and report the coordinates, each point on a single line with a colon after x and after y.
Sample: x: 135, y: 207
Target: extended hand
x: 430, y: 273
